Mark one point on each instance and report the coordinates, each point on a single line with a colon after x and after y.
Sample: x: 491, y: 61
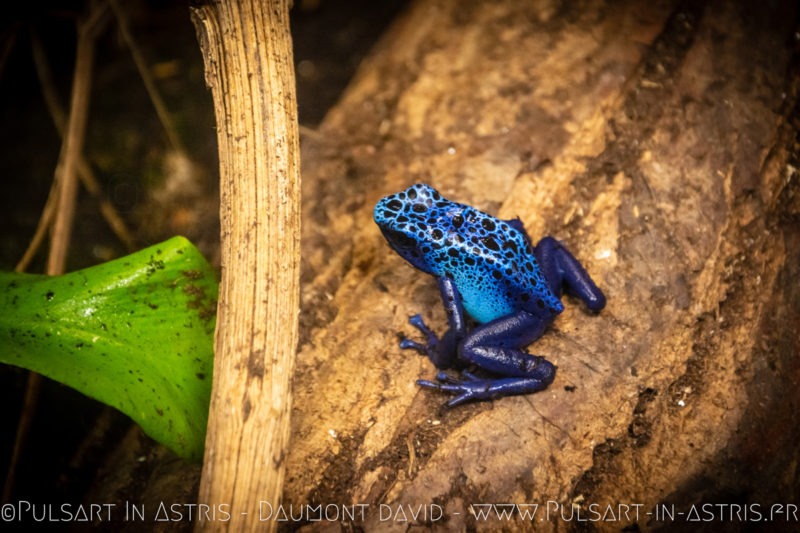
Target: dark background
x: 128, y: 150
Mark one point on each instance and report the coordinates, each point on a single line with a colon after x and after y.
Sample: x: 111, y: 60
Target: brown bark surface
x: 656, y: 140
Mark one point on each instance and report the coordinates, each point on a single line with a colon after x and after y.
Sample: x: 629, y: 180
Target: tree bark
x: 248, y: 57
x: 656, y: 140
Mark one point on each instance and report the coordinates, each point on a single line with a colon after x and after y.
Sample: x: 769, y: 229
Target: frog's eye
x: 398, y: 238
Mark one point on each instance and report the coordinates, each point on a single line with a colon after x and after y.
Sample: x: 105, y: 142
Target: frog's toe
x: 428, y: 384
x: 428, y: 348
x: 475, y: 388
x: 408, y: 344
x: 417, y: 322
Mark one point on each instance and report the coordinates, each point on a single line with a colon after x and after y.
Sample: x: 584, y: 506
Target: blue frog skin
x: 486, y: 269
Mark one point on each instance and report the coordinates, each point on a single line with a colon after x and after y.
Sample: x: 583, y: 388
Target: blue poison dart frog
x: 488, y: 269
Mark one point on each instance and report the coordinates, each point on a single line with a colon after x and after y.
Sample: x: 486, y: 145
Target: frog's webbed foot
x: 424, y: 349
x: 472, y: 387
x: 441, y: 351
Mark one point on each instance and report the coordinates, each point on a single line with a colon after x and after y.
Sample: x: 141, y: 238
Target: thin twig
x: 66, y: 171
x: 147, y: 78
x: 64, y: 196
x: 7, y: 43
x: 29, y: 402
x: 85, y: 173
x: 45, y: 222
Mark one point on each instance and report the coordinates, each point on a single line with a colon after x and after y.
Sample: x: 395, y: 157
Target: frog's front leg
x: 442, y: 352
x: 497, y: 348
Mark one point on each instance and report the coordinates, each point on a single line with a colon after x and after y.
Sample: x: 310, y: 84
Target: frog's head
x: 405, y: 220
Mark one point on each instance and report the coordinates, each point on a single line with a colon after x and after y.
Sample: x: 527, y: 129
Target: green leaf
x: 135, y: 333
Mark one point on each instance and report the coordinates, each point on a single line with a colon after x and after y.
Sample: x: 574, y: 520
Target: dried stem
x: 248, y: 58
x: 7, y: 42
x: 63, y: 196
x: 66, y: 171
x: 85, y: 173
x: 147, y: 78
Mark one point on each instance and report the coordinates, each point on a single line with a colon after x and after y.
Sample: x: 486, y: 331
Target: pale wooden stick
x: 248, y: 57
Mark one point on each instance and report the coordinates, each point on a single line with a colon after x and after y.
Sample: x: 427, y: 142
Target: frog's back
x: 494, y: 268
x: 490, y: 260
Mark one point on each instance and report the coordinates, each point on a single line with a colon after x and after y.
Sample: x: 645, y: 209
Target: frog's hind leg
x: 562, y: 270
x: 497, y: 348
x: 474, y: 388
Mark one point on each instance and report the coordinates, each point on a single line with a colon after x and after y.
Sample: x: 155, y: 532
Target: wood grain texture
x: 248, y: 57
x: 656, y: 140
